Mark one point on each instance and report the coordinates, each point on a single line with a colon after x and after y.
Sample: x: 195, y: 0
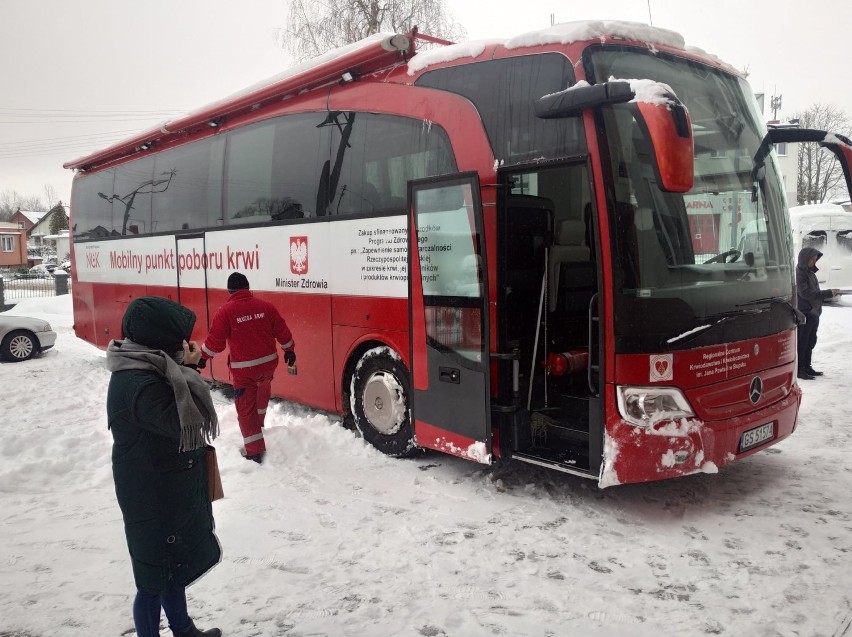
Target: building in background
x: 13, y: 246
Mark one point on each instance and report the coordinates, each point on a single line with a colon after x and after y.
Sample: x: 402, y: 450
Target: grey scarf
x: 198, y: 421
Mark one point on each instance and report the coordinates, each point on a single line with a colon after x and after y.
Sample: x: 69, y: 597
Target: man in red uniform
x: 250, y: 327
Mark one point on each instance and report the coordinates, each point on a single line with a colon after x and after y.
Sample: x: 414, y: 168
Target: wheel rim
x: 21, y: 346
x: 384, y: 403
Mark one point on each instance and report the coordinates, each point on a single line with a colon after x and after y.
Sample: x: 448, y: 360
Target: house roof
x: 32, y: 215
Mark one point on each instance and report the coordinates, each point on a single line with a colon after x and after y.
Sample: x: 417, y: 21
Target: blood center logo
x: 662, y: 368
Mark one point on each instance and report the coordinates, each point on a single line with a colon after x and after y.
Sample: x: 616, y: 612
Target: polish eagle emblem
x: 299, y: 255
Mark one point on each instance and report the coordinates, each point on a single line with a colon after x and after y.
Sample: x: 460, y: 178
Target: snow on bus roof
x: 564, y: 33
x: 472, y: 49
x: 569, y: 32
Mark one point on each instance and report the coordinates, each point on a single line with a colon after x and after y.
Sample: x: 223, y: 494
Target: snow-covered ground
x: 329, y: 537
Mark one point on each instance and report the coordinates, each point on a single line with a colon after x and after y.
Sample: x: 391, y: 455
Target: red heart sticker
x: 661, y: 367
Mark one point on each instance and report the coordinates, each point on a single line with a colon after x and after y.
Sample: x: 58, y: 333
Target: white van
x: 828, y: 228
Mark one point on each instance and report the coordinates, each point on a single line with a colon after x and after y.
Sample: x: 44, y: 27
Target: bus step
x: 564, y: 462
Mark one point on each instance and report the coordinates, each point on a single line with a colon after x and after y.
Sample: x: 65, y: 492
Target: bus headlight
x: 644, y: 406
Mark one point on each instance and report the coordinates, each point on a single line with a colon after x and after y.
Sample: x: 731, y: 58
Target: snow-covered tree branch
x: 314, y: 27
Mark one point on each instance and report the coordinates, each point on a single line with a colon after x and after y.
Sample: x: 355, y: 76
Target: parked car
x: 22, y: 337
x: 40, y: 271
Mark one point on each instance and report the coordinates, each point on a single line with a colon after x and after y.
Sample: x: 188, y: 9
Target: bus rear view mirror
x: 668, y: 128
x: 838, y: 144
x: 662, y: 117
x: 575, y: 99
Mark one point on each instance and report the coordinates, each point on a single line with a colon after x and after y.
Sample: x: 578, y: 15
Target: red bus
x: 562, y: 310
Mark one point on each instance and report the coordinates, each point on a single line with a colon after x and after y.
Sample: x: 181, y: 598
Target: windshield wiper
x: 779, y: 300
x: 718, y: 319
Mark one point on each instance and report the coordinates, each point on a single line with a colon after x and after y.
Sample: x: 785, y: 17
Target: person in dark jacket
x: 810, y: 299
x: 161, y: 417
x: 250, y: 327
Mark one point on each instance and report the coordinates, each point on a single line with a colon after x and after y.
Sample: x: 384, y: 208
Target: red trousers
x: 252, y: 388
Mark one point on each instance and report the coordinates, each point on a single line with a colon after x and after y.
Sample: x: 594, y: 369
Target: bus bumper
x: 678, y: 448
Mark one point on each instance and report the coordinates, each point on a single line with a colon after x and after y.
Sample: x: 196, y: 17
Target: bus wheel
x: 379, y: 395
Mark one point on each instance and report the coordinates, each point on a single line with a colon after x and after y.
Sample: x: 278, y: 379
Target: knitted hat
x: 158, y: 323
x: 237, y: 281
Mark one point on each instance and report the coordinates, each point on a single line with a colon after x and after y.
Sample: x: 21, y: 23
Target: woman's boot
x: 192, y: 631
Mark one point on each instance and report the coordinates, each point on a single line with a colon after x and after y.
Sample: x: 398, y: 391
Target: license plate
x: 756, y: 436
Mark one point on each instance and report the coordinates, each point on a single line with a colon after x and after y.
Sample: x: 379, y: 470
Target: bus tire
x: 380, y: 403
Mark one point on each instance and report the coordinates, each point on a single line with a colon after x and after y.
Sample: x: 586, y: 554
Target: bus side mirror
x: 662, y: 117
x: 842, y: 147
x: 669, y: 130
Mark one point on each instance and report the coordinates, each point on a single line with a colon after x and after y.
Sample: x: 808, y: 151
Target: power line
x: 81, y: 121
x: 86, y: 112
x: 88, y: 136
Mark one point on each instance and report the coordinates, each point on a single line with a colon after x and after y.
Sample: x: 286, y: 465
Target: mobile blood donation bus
x: 523, y: 248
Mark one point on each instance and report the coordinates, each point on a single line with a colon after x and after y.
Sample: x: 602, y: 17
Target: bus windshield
x: 682, y: 260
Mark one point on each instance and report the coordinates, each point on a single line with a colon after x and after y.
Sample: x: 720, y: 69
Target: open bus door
x: 448, y: 317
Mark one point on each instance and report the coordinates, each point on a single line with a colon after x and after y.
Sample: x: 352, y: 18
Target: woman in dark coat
x: 810, y: 298
x: 161, y: 416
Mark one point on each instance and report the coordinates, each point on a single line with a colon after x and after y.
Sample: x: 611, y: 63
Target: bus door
x: 191, y: 265
x: 448, y: 317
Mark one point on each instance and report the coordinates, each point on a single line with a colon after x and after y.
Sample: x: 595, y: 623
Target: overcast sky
x: 141, y: 62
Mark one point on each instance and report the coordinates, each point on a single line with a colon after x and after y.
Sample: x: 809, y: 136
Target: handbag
x: 214, y: 479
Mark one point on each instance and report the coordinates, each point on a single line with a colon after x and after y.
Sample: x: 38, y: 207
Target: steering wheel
x: 723, y: 256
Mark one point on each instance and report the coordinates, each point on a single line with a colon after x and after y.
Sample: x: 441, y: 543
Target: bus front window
x: 680, y: 260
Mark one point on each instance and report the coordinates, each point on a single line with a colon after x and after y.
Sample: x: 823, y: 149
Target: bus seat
x: 653, y: 266
x: 371, y: 198
x: 568, y: 248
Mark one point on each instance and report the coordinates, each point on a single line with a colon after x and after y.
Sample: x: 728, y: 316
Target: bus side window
x: 248, y: 174
x: 375, y: 155
x: 300, y: 152
x: 190, y: 179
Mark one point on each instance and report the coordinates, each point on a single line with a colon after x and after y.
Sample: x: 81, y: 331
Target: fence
x: 15, y: 287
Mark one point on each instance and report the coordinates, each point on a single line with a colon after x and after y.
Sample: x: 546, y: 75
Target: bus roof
x: 379, y: 51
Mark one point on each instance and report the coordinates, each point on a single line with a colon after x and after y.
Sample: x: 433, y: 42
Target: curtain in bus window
x: 91, y: 205
x: 300, y: 153
x: 374, y: 156
x: 504, y: 91
x: 131, y: 200
x: 248, y: 174
x: 187, y: 191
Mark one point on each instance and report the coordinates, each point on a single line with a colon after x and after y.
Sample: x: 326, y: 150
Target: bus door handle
x: 593, y: 329
x: 449, y: 375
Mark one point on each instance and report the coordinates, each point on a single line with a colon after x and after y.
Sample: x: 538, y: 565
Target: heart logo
x: 661, y: 368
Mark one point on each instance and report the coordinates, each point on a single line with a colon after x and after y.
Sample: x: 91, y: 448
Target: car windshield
x: 685, y: 258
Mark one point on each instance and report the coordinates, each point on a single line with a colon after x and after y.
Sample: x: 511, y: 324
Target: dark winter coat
x: 162, y: 492
x: 810, y: 296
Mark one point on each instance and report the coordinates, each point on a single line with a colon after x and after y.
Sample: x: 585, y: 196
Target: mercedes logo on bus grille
x: 755, y: 391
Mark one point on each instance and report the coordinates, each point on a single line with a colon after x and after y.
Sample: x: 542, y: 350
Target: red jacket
x: 250, y: 327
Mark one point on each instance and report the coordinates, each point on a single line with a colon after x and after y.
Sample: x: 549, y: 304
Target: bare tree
x: 313, y: 28
x: 50, y: 195
x: 11, y: 201
x: 820, y: 176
